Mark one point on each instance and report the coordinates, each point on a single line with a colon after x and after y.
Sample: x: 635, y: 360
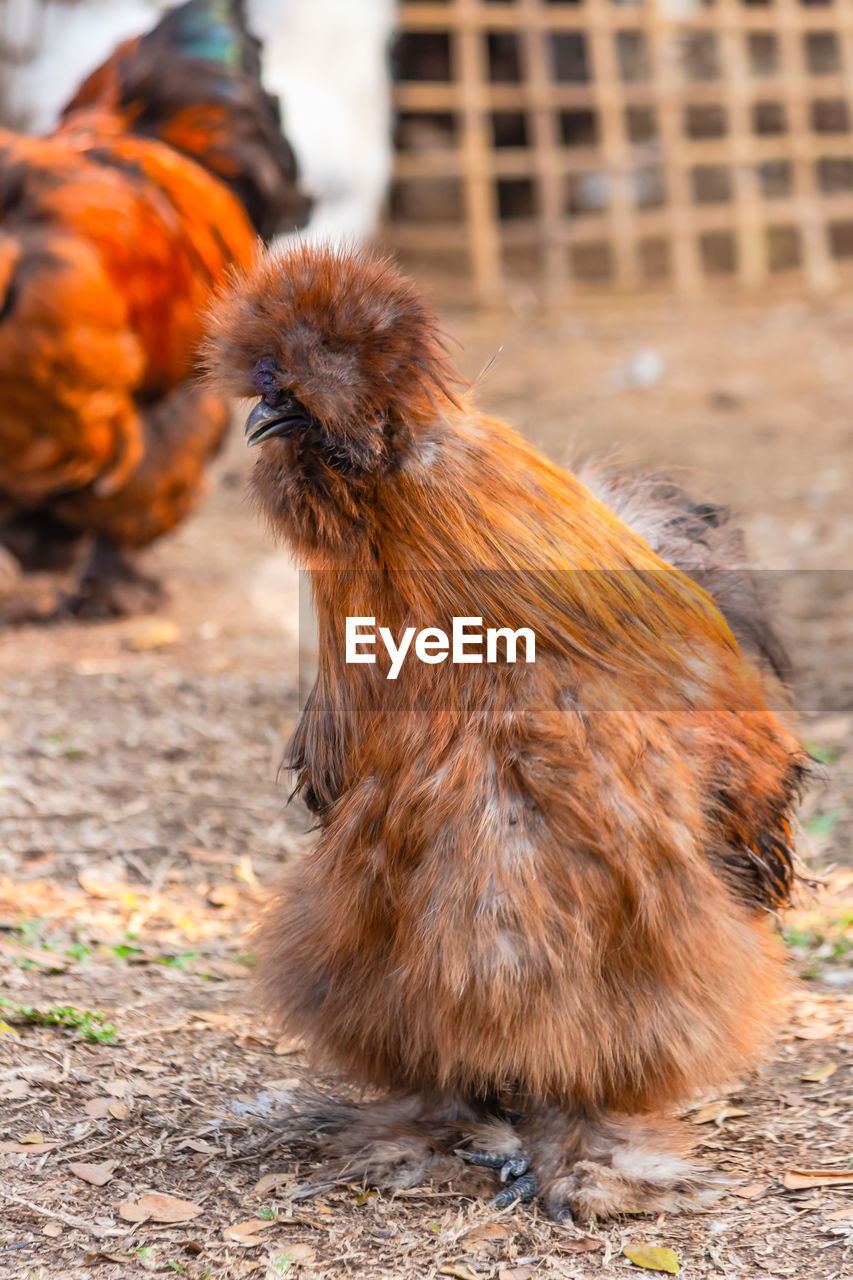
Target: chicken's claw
x: 519, y: 1191
x: 508, y: 1166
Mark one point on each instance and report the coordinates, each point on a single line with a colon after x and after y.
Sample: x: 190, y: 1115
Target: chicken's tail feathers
x: 703, y: 541
x: 342, y: 330
x: 194, y: 81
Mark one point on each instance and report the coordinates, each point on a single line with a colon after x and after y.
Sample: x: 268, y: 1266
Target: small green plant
x: 825, y: 939
x: 92, y: 1025
x: 30, y: 935
x: 283, y: 1263
x: 181, y: 961
x: 823, y: 824
x: 268, y: 1213
x: 65, y: 747
x: 29, y: 932
x: 126, y: 951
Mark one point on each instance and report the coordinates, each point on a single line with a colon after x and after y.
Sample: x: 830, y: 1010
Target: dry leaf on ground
x: 716, y: 1113
x: 97, y: 1174
x: 652, y: 1257
x: 27, y: 1148
x: 154, y: 634
x: 247, y: 1232
x: 101, y: 882
x: 487, y: 1234
x: 823, y: 1072
x: 816, y: 1031
x: 285, y: 1047
x: 798, y: 1179
x: 223, y: 895
x: 228, y: 1021
x: 752, y: 1191
x: 98, y: 1108
x: 159, y: 1208
x: 586, y: 1244
x: 270, y: 1181
x: 302, y: 1253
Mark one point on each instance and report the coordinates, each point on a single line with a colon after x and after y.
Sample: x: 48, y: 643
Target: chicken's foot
x: 110, y: 586
x: 514, y: 1170
x: 518, y: 1191
x: 508, y: 1166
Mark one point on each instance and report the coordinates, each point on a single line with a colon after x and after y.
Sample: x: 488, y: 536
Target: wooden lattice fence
x: 604, y: 144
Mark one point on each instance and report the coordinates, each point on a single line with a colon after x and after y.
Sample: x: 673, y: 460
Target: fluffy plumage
x: 540, y: 895
x: 113, y: 232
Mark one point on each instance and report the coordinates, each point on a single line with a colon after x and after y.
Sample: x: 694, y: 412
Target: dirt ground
x: 142, y: 816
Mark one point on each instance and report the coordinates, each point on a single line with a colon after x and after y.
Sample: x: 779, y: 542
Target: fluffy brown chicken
x: 113, y: 232
x: 538, y: 913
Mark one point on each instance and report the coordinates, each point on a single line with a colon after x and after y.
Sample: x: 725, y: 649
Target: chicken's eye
x: 265, y: 379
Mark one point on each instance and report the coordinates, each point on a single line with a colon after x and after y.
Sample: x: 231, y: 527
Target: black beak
x: 266, y: 421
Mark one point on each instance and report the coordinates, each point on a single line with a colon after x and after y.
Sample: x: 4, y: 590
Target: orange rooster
x: 113, y: 232
x: 538, y: 913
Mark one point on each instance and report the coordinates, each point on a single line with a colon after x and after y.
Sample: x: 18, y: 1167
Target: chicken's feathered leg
x: 582, y: 1162
x: 39, y: 541
x: 111, y: 586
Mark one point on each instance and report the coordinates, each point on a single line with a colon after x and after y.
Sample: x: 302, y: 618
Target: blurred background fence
x: 572, y: 145
x: 596, y: 144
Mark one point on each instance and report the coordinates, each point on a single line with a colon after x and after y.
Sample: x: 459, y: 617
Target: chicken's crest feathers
x: 348, y: 335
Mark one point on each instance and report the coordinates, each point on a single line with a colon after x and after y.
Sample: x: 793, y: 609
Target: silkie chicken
x: 537, y: 917
x: 113, y: 232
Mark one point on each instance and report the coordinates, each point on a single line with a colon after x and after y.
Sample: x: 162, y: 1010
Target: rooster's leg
x: 39, y: 541
x: 110, y: 586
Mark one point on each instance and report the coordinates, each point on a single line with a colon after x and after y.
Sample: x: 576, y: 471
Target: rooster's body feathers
x: 113, y: 233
